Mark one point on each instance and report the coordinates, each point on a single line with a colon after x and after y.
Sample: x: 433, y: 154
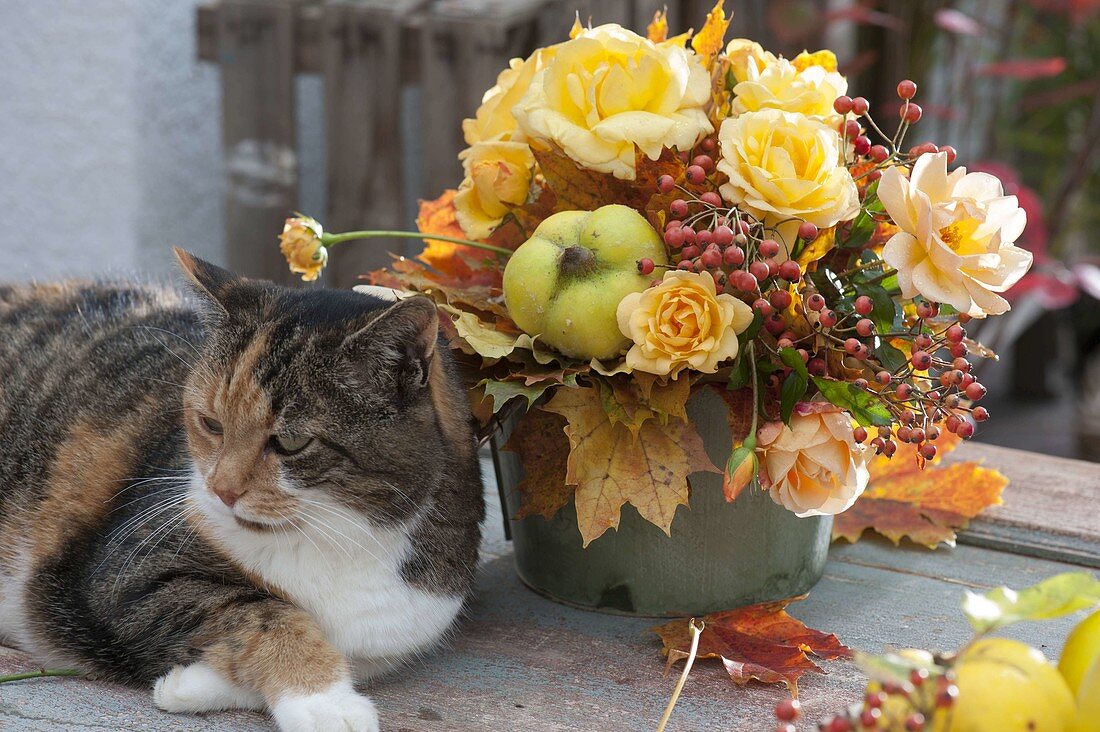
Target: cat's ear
x: 207, y: 280
x: 401, y: 340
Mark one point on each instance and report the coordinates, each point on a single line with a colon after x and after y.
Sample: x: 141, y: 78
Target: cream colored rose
x: 494, y: 120
x: 957, y: 234
x: 498, y: 176
x: 785, y: 168
x: 782, y: 85
x: 744, y: 54
x: 609, y: 89
x: 681, y: 323
x: 814, y: 466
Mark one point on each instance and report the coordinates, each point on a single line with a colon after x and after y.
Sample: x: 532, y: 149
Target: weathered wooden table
x: 520, y: 662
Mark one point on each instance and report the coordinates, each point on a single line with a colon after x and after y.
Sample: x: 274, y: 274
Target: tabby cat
x: 248, y: 503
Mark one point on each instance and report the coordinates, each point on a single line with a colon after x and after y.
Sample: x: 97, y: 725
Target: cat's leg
x: 199, y: 688
x: 277, y: 652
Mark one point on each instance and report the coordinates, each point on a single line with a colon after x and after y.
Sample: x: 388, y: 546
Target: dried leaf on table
x: 539, y: 441
x: 610, y: 466
x: 925, y: 505
x: 760, y: 642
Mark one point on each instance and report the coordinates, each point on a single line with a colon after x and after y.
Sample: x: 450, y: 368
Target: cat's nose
x: 228, y: 496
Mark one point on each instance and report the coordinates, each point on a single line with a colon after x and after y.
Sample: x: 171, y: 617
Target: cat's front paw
x: 337, y: 709
x: 199, y: 688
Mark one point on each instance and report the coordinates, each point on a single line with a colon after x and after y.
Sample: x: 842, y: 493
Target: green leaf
x: 754, y: 328
x: 864, y: 408
x: 886, y: 313
x: 503, y: 391
x: 794, y: 386
x: 891, y: 358
x: 1054, y: 597
x: 739, y: 376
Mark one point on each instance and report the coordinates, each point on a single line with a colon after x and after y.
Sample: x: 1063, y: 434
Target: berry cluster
x: 909, y: 705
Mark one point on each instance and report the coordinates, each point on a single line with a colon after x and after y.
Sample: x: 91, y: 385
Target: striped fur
x: 249, y: 502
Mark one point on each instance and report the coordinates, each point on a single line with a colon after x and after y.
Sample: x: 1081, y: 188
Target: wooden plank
x: 463, y: 47
x: 1048, y: 510
x: 522, y: 662
x: 255, y: 51
x: 363, y: 75
x: 307, y: 34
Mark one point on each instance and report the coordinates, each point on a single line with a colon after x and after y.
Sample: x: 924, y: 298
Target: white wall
x: 110, y: 148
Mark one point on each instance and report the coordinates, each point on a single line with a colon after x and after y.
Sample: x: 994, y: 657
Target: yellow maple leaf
x: 610, y: 466
x: 709, y: 40
x: 657, y: 30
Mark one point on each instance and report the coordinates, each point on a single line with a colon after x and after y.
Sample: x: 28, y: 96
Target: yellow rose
x: 958, y: 229
x: 681, y: 323
x: 300, y: 243
x: 609, y: 89
x: 493, y: 119
x: 825, y: 58
x: 814, y: 467
x: 781, y: 85
x: 744, y: 54
x: 498, y: 176
x: 785, y: 168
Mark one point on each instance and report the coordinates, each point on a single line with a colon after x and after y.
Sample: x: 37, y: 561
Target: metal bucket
x: 720, y: 555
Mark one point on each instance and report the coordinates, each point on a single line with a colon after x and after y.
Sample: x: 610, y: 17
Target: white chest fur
x: 348, y: 577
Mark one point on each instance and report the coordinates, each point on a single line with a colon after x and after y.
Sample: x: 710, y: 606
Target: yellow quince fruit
x: 564, y: 284
x: 1008, y: 686
x: 1080, y: 666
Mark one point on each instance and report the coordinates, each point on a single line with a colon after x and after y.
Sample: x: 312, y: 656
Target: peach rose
x: 301, y: 244
x: 814, y: 467
x: 682, y: 323
x: 498, y: 175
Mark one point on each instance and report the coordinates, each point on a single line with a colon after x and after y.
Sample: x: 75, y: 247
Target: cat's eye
x: 290, y: 444
x: 212, y: 425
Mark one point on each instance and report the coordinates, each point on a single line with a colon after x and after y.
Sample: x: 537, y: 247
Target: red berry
x: 790, y: 271
x: 965, y: 430
x: 914, y: 722
x: 645, y: 266
x: 695, y: 174
x: 674, y: 238
x: 839, y: 724
x: 711, y: 199
x: 685, y: 264
x: 769, y: 248
x: 689, y: 234
x: 817, y: 366
x: 780, y: 299
x: 843, y: 104
x: 933, y: 433
x: 923, y: 149
x: 762, y: 306
x: 828, y: 318
x: 773, y: 267
x: 873, y: 175
x: 927, y: 309
x: 851, y: 129
x: 951, y: 153
x: 709, y: 144
x: 962, y: 364
x: 868, y: 718
x: 815, y: 302
x: 865, y: 327
x: 678, y: 208
x: 929, y: 452
x: 958, y: 350
x: 747, y: 282
x: 864, y: 305
x: 788, y: 710
x: 947, y: 696
x: 807, y: 231
x: 879, y: 444
x: 759, y: 270
x: 734, y: 256
x: 785, y: 343
x: 911, y: 112
x: 907, y: 416
x: 860, y: 383
x: 953, y: 423
x: 904, y: 433
x: 860, y: 105
x: 921, y: 360
x: 975, y: 391
x: 852, y: 346
x: 889, y: 448
x: 723, y: 236
x: 706, y: 162
x: 921, y: 342
x: 907, y: 89
x: 955, y: 333
x: 666, y: 183
x: 861, y: 145
x: 904, y: 391
x: 712, y: 257
x: 980, y: 414
x: 859, y: 434
x: 691, y: 252
x: 879, y: 153
x: 883, y: 377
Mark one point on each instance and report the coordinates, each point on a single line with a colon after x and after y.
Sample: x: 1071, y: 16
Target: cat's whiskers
x: 179, y: 479
x: 363, y: 526
x: 165, y: 529
x: 316, y: 523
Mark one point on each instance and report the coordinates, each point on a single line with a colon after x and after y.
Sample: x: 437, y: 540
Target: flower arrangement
x: 642, y: 218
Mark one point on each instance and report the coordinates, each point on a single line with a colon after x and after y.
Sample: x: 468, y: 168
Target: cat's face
x: 309, y: 407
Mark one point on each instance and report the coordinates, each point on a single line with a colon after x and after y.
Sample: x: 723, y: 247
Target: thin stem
x: 329, y: 240
x: 696, y: 627
x: 41, y: 673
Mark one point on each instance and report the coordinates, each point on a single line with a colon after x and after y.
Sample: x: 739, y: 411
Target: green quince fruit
x: 565, y: 282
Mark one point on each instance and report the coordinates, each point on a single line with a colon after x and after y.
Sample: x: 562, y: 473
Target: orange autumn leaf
x: 818, y: 248
x: 760, y: 642
x: 926, y: 505
x: 709, y: 41
x: 539, y: 441
x: 657, y: 30
x: 610, y: 466
x: 575, y: 187
x: 438, y: 217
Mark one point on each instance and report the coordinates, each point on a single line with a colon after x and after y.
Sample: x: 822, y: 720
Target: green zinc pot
x: 720, y: 555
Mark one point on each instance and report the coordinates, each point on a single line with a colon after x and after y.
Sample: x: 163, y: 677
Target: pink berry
x: 685, y: 264
x: 790, y: 271
x: 734, y: 256
x: 817, y: 366
x: 851, y: 129
x: 759, y: 270
x: 674, y: 238
x: 975, y: 391
x: 747, y: 282
x: 785, y: 343
x: 665, y: 184
x: 860, y: 383
x: 645, y: 266
x: 709, y: 144
x: 828, y: 318
x: 815, y: 302
x: 868, y: 718
x: 773, y: 267
x: 965, y: 430
x: 704, y: 237
x: 864, y: 305
x: 929, y: 452
x: 712, y: 257
x: 911, y: 112
x: 689, y: 234
x: 904, y: 391
x: 678, y: 208
x: 952, y: 153
x: 923, y: 149
x: 852, y: 346
x: 921, y: 360
x: 878, y: 153
x: 958, y: 350
x: 706, y: 162
x: 980, y: 414
x: 762, y: 306
x: 859, y: 434
x: 695, y: 174
x: 807, y: 231
x: 961, y: 364
x: 691, y: 251
x: 883, y: 377
x: 723, y: 235
x: 927, y: 309
x: 860, y: 105
x: 769, y: 248
x: 780, y: 299
x: 914, y: 722
x: 955, y: 333
x: 711, y: 199
x: 865, y: 327
x: 907, y: 89
x: 862, y: 145
x: 843, y: 104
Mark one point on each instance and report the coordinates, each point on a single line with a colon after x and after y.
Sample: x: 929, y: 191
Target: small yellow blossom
x: 301, y: 244
x: 826, y: 59
x: 498, y: 176
x: 682, y: 323
x: 743, y: 54
x: 784, y: 86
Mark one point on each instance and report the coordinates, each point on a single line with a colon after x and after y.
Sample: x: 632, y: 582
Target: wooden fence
x: 368, y: 52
